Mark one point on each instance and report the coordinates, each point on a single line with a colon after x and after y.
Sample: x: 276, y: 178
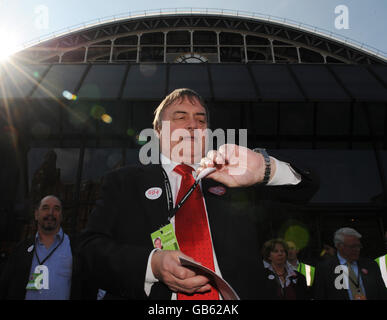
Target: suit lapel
x: 364, y: 277
x: 26, y: 257
x: 156, y: 208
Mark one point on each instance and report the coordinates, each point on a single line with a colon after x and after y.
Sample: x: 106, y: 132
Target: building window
x: 191, y: 58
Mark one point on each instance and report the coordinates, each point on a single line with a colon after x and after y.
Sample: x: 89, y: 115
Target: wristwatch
x: 266, y: 157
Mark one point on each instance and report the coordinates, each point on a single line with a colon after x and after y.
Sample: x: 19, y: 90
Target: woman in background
x: 281, y: 281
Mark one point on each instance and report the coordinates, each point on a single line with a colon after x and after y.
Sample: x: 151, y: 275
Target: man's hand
x: 167, y: 268
x: 236, y: 166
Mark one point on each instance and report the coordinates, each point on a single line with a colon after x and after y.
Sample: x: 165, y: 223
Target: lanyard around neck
x: 357, y: 283
x: 172, y: 210
x: 50, y: 254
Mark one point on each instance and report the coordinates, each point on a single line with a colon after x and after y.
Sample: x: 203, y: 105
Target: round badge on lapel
x: 365, y: 271
x: 271, y: 277
x: 30, y: 248
x: 218, y: 190
x: 153, y: 193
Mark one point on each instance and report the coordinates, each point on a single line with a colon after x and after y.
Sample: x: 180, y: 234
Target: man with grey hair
x: 347, y: 276
x: 341, y: 233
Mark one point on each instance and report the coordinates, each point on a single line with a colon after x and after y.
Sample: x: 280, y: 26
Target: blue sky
x: 20, y: 18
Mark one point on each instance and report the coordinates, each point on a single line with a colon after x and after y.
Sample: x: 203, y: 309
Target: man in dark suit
x: 347, y: 276
x: 137, y: 200
x: 51, y: 253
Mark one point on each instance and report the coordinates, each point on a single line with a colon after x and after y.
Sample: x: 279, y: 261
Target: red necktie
x: 192, y: 230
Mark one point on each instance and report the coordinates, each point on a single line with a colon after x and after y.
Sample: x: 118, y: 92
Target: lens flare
x: 69, y: 96
x: 295, y: 231
x: 130, y: 132
x: 298, y: 234
x: 8, y: 44
x: 97, y: 111
x: 106, y: 118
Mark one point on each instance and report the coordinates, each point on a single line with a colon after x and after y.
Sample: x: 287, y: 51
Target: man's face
x: 184, y: 118
x: 350, y: 248
x: 49, y: 214
x: 292, y: 251
x: 158, y: 243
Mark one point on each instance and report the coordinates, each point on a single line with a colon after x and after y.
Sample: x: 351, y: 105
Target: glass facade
x: 320, y: 115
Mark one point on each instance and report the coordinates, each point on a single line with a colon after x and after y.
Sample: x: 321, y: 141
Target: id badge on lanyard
x: 165, y: 237
x: 39, y: 279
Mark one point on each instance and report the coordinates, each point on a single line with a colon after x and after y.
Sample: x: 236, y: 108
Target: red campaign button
x: 219, y: 190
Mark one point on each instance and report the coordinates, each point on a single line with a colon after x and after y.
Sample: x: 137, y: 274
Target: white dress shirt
x: 284, y: 175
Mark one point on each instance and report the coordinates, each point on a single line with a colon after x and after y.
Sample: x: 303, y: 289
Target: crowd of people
x: 199, y: 219
x: 342, y: 275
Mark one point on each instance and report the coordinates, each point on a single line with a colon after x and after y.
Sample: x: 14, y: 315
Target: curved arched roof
x: 168, y: 35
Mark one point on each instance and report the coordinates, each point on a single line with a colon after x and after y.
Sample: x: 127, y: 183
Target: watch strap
x: 266, y: 158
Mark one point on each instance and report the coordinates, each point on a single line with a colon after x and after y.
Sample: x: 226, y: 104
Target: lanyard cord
x: 171, y: 210
x: 169, y: 191
x: 357, y: 283
x: 50, y: 254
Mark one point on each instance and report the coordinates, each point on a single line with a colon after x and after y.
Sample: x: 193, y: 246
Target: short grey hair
x: 341, y: 233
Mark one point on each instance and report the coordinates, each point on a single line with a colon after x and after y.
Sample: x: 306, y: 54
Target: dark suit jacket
x: 16, y: 272
x: 272, y: 287
x: 324, y: 281
x: 116, y: 242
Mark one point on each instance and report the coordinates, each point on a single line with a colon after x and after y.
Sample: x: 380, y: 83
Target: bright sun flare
x: 8, y: 45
